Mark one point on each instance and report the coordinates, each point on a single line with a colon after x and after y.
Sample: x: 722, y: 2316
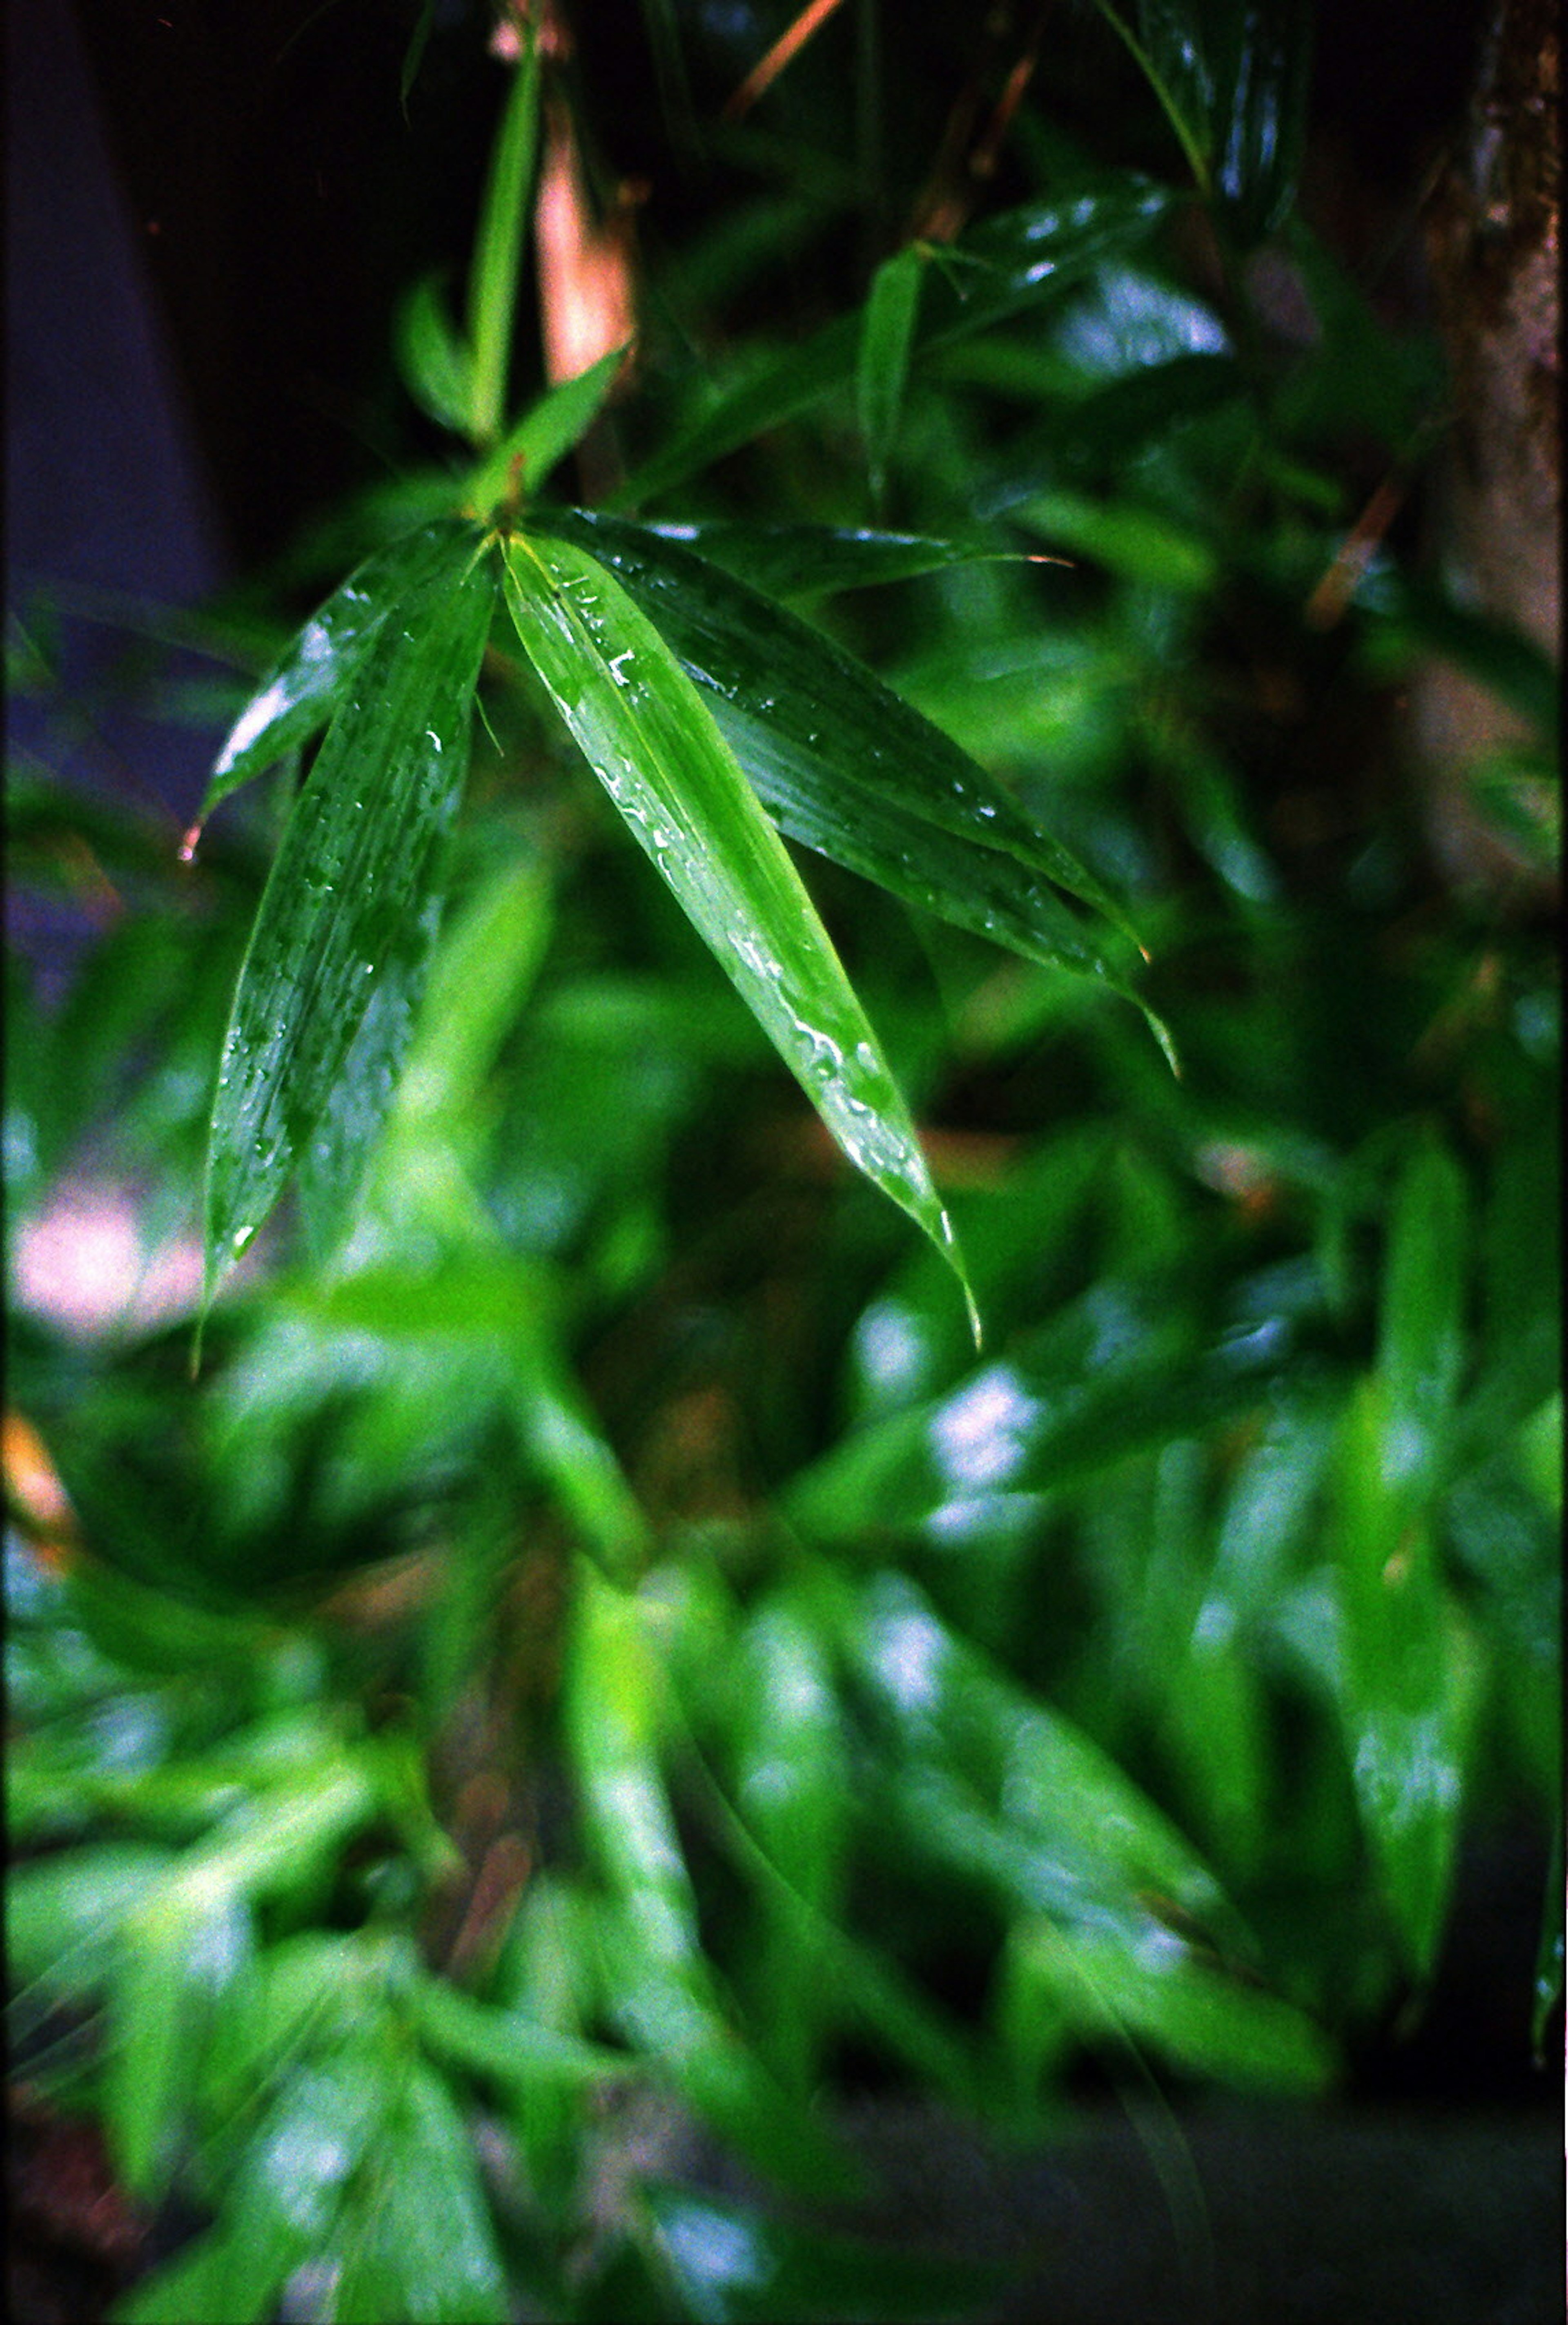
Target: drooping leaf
x: 353, y: 870
x: 644, y: 729
x: 843, y: 764
x: 315, y: 676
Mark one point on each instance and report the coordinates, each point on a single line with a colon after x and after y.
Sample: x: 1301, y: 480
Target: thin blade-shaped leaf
x: 1008, y: 264
x: 829, y: 746
x: 498, y: 250
x: 647, y: 734
x: 812, y: 561
x: 547, y: 431
x: 436, y: 367
x: 883, y: 366
x: 301, y: 692
x: 1261, y: 110
x: 352, y: 873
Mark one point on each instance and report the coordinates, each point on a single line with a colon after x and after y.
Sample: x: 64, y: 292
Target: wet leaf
x: 642, y: 726
x: 812, y: 561
x: 315, y: 676
x: 848, y: 768
x: 353, y: 872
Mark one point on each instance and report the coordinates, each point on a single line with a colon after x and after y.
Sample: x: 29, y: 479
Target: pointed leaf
x: 883, y: 366
x: 843, y: 764
x: 547, y: 433
x: 498, y: 249
x: 810, y: 560
x: 645, y: 731
x: 1008, y: 264
x: 354, y: 869
x: 301, y: 692
x: 438, y: 368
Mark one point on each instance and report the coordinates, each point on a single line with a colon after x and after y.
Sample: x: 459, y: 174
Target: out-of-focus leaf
x: 1402, y: 1679
x: 414, y: 2235
x: 352, y: 871
x: 656, y: 1973
x: 1113, y: 1372
x: 643, y: 728
x: 546, y: 433
x: 319, y: 672
x: 882, y: 362
x: 1406, y: 1671
x: 792, y: 1785
x: 1008, y: 264
x: 1231, y: 77
x: 734, y: 2265
x: 498, y: 246
x: 437, y: 366
x: 848, y: 767
x: 1421, y: 1340
x: 1134, y: 541
x: 63, y: 1911
x: 1003, y: 1785
x: 504, y: 2047
x: 177, y: 1948
x: 1260, y: 111
x: 1158, y: 1991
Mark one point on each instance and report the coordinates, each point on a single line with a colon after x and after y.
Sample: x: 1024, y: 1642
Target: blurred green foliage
x: 595, y: 1625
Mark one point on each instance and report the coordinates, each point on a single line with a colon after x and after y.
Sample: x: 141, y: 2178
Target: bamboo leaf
x: 497, y: 254
x: 848, y: 767
x: 1016, y: 261
x: 437, y: 366
x: 314, y: 677
x: 354, y: 871
x: 883, y: 366
x: 647, y: 734
x: 547, y: 433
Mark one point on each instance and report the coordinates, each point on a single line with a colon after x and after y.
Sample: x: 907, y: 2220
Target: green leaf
x: 882, y: 365
x: 1011, y: 263
x: 414, y: 2233
x: 355, y: 869
x: 437, y: 366
x: 498, y: 250
x: 1260, y: 111
x: 1422, y: 1338
x: 1167, y: 1995
x: 810, y: 560
x: 643, y: 728
x: 1402, y: 1668
x: 844, y: 765
x: 318, y: 672
x: 546, y: 433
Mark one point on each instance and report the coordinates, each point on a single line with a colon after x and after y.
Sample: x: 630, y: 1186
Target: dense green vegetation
x: 622, y: 1604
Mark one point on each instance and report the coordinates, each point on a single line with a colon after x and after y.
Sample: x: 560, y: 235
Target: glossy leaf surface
x: 316, y: 676
x: 644, y: 729
x: 843, y: 764
x: 352, y: 874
